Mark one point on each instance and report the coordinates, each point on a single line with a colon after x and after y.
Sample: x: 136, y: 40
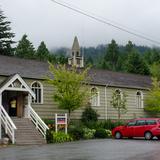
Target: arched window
x: 95, y: 98
x: 37, y: 88
x: 139, y: 99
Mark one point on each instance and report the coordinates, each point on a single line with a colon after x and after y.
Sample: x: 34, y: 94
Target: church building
x: 25, y: 99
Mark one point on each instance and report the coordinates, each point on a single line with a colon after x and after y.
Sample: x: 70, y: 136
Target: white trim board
x: 15, y: 77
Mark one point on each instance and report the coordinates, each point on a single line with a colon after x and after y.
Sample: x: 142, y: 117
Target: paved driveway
x: 86, y: 150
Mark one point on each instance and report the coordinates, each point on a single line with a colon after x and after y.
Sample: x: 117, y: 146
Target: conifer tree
x: 42, y: 52
x: 6, y: 36
x: 25, y: 48
x: 112, y: 54
x: 136, y: 64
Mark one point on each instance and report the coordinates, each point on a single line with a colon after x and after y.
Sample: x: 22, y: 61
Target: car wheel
x: 158, y: 137
x: 118, y: 135
x: 148, y: 135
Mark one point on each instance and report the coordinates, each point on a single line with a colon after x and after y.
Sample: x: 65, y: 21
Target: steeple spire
x: 75, y: 45
x: 76, y: 57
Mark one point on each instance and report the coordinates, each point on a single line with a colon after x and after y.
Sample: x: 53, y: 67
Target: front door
x: 139, y: 128
x: 20, y: 104
x: 16, y: 105
x: 129, y: 130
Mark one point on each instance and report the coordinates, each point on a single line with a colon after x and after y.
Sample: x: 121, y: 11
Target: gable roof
x: 24, y: 87
x: 38, y: 70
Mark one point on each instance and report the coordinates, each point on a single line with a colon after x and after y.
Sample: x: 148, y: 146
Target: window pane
x: 150, y: 122
x: 141, y: 122
x: 37, y: 90
x: 133, y: 123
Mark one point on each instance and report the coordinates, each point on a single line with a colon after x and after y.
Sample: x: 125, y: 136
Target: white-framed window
x: 95, y: 97
x: 37, y: 88
x: 139, y: 99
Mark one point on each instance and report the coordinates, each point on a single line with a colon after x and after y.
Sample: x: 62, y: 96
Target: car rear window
x: 150, y: 122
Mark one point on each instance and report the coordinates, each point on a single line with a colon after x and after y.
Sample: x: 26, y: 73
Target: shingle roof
x: 38, y: 70
x: 24, y: 67
x: 116, y: 79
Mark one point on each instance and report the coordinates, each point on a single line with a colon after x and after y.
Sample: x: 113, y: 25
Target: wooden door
x: 20, y: 104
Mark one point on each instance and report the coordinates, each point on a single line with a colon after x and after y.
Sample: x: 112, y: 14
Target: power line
x: 105, y: 22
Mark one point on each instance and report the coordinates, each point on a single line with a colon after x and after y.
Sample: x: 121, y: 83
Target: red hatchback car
x: 141, y: 127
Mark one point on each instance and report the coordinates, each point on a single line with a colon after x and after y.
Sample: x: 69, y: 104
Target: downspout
x: 106, y: 106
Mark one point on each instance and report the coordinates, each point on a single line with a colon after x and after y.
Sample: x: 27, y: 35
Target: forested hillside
x: 129, y: 58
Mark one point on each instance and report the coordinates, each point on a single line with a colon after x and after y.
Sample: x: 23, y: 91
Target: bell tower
x: 76, y: 58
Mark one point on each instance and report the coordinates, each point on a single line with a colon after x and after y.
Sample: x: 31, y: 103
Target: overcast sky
x: 57, y: 26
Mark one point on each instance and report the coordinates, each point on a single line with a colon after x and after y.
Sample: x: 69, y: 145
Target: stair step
x: 26, y: 132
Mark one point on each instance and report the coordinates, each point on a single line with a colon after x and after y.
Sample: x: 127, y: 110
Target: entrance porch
x: 15, y: 102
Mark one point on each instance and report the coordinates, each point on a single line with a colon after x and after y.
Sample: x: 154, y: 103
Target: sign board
x: 60, y: 119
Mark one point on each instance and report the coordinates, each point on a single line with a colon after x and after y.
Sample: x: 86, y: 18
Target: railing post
x: 0, y: 116
x: 13, y: 136
x: 0, y: 123
x: 36, y: 123
x: 29, y: 105
x: 5, y: 124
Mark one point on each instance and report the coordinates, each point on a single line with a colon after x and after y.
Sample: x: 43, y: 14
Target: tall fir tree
x: 136, y: 64
x: 129, y: 47
x: 6, y: 36
x: 112, y: 54
x: 42, y: 52
x: 25, y: 48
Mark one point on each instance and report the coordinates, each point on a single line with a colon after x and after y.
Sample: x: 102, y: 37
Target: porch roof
x: 8, y: 84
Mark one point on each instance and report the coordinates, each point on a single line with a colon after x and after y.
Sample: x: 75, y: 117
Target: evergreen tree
x: 112, y: 54
x: 52, y: 58
x: 5, y: 36
x: 25, y: 48
x: 136, y: 64
x: 89, y: 61
x: 61, y: 59
x: 129, y: 47
x: 42, y: 52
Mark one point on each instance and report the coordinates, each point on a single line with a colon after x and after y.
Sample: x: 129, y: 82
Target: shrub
x: 109, y: 133
x: 61, y: 137
x: 76, y: 133
x: 92, y: 125
x: 50, y: 123
x: 101, y: 133
x: 89, y: 115
x: 88, y: 133
x: 49, y: 136
x: 109, y: 124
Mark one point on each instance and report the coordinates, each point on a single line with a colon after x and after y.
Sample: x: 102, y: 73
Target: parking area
x: 103, y: 149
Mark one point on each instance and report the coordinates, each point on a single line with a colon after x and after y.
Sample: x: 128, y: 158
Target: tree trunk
x: 69, y: 116
x: 119, y: 114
